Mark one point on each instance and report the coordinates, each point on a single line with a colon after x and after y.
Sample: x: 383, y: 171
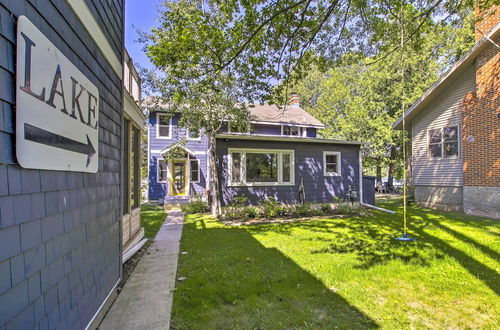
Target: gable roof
x: 263, y: 113
x: 447, y: 78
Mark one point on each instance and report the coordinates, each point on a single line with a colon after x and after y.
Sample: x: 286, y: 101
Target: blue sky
x: 139, y: 14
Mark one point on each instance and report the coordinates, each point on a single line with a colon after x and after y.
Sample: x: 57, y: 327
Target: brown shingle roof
x: 264, y: 113
x: 288, y: 115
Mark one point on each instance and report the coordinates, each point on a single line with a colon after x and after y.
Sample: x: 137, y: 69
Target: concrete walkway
x: 145, y: 301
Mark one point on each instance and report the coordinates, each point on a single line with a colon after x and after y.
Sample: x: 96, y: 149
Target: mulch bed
x: 130, y: 264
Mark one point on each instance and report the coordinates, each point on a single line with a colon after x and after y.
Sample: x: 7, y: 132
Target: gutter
x: 285, y: 139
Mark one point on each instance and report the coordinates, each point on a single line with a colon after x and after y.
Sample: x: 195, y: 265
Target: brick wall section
x: 481, y: 123
x: 59, y: 231
x: 486, y: 20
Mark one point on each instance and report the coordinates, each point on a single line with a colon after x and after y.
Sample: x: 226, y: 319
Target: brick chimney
x: 295, y: 100
x: 486, y: 19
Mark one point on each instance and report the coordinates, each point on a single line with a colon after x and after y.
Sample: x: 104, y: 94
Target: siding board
x: 62, y: 207
x: 442, y: 112
x: 308, y: 166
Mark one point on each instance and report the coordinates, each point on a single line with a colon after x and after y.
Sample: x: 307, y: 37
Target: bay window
x: 261, y: 167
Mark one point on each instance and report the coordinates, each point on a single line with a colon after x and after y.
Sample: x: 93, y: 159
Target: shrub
x: 271, y: 208
x: 326, y: 208
x: 348, y: 209
x: 337, y: 199
x: 309, y: 210
x: 239, y: 201
x: 196, y: 206
x: 251, y: 212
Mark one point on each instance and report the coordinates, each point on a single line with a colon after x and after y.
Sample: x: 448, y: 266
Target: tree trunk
x: 390, y: 169
x: 214, y: 179
x: 379, y: 174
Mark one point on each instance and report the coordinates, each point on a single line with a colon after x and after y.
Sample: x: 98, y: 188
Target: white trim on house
x: 158, y: 151
x: 198, y: 161
x: 301, y: 133
x: 169, y: 137
x: 278, y: 123
x: 158, y: 176
x: 257, y: 137
x: 132, y: 110
x: 85, y: 15
x: 173, y: 146
x: 244, y: 151
x: 339, y: 163
x: 457, y: 156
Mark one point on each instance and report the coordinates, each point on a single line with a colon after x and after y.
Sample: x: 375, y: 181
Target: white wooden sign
x: 57, y: 107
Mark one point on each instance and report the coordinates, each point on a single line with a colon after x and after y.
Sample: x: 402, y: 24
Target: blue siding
x: 308, y: 165
x: 311, y: 132
x: 60, y: 231
x: 267, y: 129
x: 159, y: 190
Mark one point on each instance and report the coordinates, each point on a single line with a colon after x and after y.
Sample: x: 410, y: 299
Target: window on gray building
x: 443, y: 143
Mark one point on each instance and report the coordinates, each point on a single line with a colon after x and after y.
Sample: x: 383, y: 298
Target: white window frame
x: 169, y: 137
x: 191, y: 139
x: 298, y: 127
x: 158, y: 176
x: 339, y: 163
x: 243, y: 175
x: 442, y: 143
x: 198, y: 161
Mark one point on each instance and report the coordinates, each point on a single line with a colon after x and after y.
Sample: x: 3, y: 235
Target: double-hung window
x: 195, y: 170
x: 291, y: 130
x: 164, y: 126
x: 331, y: 163
x: 162, y: 170
x: 443, y: 143
x: 261, y: 167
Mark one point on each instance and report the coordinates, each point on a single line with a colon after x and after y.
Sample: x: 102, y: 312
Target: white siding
x: 444, y: 111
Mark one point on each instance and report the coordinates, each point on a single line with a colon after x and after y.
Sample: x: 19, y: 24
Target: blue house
x: 280, y: 157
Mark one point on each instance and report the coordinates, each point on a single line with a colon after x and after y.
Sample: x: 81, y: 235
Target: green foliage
x: 271, y: 208
x: 239, y: 201
x: 326, y: 208
x: 152, y: 217
x: 194, y: 207
x: 349, y: 209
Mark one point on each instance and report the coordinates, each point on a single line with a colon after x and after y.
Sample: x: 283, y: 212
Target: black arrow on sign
x: 42, y: 136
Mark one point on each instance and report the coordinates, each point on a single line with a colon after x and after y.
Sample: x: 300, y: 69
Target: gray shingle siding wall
x: 308, y: 165
x: 59, y: 231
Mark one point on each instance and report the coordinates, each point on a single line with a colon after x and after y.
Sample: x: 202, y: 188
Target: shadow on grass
x: 482, y: 272
x: 372, y: 239
x: 233, y: 281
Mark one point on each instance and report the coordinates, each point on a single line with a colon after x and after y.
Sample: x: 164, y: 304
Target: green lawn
x: 152, y: 218
x: 340, y: 273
